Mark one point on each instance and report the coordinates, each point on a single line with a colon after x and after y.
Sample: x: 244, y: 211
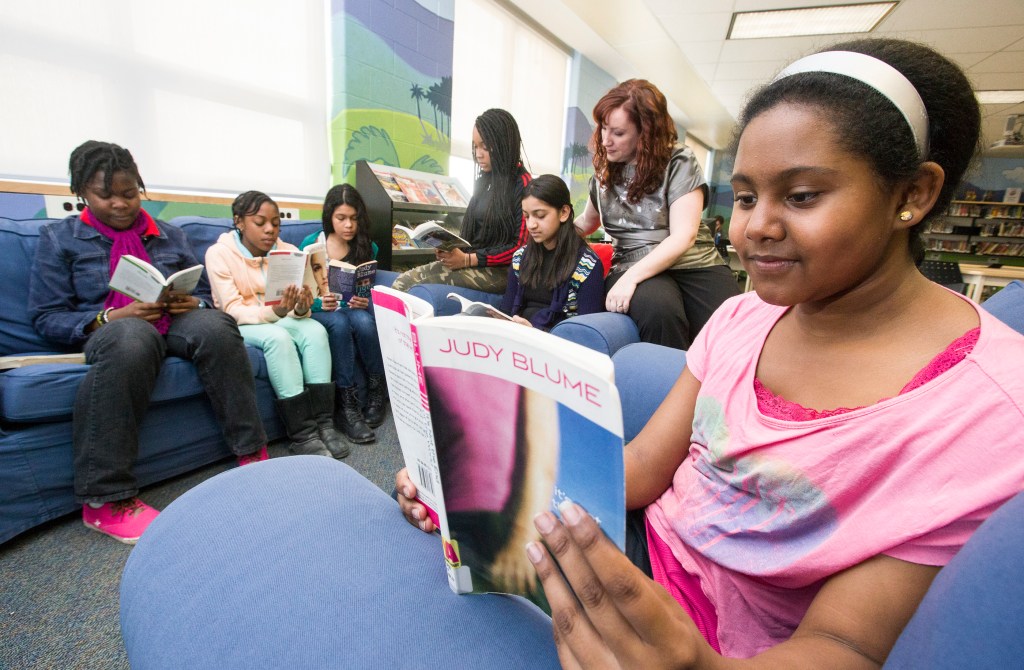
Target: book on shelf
x: 285, y: 268
x: 23, y: 360
x: 418, y: 190
x: 141, y: 281
x: 389, y: 183
x: 432, y: 235
x: 347, y: 280
x: 1012, y: 194
x: 451, y: 193
x: 476, y: 308
x: 497, y: 423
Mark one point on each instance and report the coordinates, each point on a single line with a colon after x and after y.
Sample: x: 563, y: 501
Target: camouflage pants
x: 488, y: 279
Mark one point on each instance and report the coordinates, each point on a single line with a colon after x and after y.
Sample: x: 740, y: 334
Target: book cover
x: 347, y: 280
x: 451, y: 193
x: 141, y: 281
x: 498, y: 423
x: 388, y: 182
x: 401, y: 237
x: 418, y: 191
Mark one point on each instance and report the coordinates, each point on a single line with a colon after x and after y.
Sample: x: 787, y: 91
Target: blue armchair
x: 208, y: 594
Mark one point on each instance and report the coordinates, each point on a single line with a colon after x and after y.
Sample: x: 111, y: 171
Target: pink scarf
x: 127, y: 242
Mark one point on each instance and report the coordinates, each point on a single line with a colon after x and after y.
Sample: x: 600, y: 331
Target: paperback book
x: 347, y: 280
x: 432, y: 235
x: 417, y: 190
x: 475, y: 308
x: 141, y: 281
x: 285, y: 268
x: 498, y: 422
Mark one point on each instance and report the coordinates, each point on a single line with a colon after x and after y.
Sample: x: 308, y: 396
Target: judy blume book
x: 347, y: 280
x: 498, y: 422
x: 141, y: 281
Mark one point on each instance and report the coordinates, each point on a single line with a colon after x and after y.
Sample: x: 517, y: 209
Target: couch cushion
x: 18, y: 240
x: 47, y: 392
x: 1007, y: 305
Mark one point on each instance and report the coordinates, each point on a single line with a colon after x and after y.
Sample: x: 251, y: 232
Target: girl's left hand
x: 179, y: 303
x: 304, y: 301
x: 358, y: 302
x: 456, y: 259
x: 622, y: 618
x: 619, y: 296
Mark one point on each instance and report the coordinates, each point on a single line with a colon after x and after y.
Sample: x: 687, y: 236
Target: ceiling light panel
x: 832, y: 20
x: 999, y: 97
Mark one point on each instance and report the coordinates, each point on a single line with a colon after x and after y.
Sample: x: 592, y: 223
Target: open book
x: 348, y: 280
x: 284, y: 268
x: 474, y: 308
x: 22, y: 360
x: 141, y: 281
x: 497, y: 423
x: 432, y: 235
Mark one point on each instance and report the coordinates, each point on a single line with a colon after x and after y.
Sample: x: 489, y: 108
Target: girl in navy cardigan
x: 556, y: 275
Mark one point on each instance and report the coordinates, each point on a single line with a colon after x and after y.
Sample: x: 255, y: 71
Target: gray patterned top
x: 636, y: 229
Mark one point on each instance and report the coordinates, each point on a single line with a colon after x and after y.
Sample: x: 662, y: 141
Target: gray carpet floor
x: 59, y: 582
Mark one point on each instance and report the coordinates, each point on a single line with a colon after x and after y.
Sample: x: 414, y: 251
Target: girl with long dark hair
x: 494, y: 222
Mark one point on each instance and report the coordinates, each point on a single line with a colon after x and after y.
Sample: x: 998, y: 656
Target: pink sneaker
x: 254, y: 457
x: 124, y: 520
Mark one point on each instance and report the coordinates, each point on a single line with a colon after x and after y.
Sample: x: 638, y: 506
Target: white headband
x: 880, y: 76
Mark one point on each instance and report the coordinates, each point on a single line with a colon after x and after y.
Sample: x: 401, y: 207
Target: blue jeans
x: 124, y: 358
x: 349, y: 331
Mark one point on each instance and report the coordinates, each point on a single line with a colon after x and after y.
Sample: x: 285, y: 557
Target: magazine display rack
x: 396, y: 196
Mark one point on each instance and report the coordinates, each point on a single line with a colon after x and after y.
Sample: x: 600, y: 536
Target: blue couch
x: 36, y: 474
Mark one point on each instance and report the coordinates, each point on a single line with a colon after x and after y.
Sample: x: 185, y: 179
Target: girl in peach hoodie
x: 295, y: 346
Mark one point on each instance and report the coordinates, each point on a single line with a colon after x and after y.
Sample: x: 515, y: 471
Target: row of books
x: 408, y: 189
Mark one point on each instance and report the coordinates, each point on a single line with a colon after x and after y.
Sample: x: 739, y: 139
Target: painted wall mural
x: 392, y: 98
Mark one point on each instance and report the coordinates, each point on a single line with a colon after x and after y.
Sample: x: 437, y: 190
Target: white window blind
x: 500, y: 61
x: 208, y: 96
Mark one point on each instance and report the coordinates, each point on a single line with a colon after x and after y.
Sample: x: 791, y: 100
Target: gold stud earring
x: 906, y: 215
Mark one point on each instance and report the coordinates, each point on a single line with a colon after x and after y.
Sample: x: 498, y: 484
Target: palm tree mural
x: 439, y: 96
x: 576, y: 155
x: 374, y: 145
x: 417, y: 95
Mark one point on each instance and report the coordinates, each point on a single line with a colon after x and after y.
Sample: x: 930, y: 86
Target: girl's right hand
x: 521, y: 321
x: 415, y: 512
x: 148, y: 311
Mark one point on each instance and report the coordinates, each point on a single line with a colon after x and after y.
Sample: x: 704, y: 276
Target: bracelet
x: 103, y: 318
x: 469, y: 261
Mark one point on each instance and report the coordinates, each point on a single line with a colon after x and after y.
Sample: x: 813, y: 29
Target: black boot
x: 321, y: 398
x: 376, y: 400
x: 350, y: 417
x: 297, y: 416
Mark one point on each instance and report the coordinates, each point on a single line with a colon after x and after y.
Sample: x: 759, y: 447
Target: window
x: 208, y: 96
x: 500, y: 61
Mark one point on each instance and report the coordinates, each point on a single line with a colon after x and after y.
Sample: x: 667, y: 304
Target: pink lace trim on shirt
x: 778, y: 407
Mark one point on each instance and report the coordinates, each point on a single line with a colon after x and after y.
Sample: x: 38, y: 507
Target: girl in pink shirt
x: 836, y: 437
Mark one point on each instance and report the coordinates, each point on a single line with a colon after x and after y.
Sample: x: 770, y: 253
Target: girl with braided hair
x: 125, y: 342
x: 494, y: 223
x: 295, y: 346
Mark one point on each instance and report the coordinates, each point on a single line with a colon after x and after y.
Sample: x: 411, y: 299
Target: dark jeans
x: 124, y: 359
x: 350, y: 331
x: 670, y: 308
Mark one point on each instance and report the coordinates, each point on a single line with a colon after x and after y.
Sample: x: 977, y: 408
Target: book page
x: 185, y: 280
x: 474, y: 308
x: 284, y: 268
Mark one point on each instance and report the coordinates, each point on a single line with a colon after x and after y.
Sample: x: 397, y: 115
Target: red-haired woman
x: 649, y: 194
